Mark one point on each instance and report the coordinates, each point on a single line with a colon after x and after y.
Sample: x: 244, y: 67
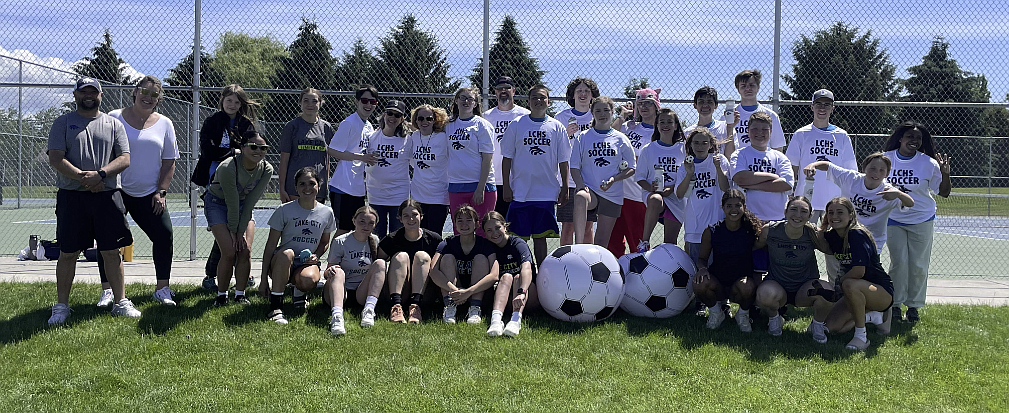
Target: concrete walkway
x: 991, y: 291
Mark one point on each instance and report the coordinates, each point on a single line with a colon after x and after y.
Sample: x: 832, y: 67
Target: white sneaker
x: 368, y: 317
x: 643, y: 246
x: 819, y: 332
x: 106, y: 299
x: 715, y: 317
x: 473, y: 315
x: 857, y: 344
x: 496, y: 328
x: 164, y: 296
x: 277, y: 316
x: 125, y: 308
x: 743, y: 320
x: 448, y: 314
x: 336, y: 325
x: 60, y: 313
x: 774, y: 325
x: 513, y: 328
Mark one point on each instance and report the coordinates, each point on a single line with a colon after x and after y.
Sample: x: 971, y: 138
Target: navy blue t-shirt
x: 732, y: 251
x: 511, y: 256
x: 861, y: 252
x: 463, y: 260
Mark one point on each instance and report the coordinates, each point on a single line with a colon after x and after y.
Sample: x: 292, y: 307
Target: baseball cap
x: 504, y: 79
x: 823, y: 93
x: 87, y: 81
x: 396, y: 105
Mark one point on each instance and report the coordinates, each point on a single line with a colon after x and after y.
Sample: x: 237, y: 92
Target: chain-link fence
x: 872, y: 55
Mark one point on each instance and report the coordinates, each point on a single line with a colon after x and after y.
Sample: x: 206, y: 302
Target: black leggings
x: 157, y: 227
x: 434, y: 218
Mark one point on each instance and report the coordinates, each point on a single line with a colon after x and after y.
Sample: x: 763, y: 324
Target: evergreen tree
x: 310, y: 64
x: 509, y: 56
x: 182, y: 75
x: 104, y: 63
x: 410, y: 60
x: 250, y: 61
x: 356, y: 68
x: 634, y: 85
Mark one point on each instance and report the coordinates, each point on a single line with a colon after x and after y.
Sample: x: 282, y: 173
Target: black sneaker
x: 241, y: 300
x: 301, y: 303
x: 210, y: 283
x: 912, y: 315
x: 896, y: 315
x: 221, y: 301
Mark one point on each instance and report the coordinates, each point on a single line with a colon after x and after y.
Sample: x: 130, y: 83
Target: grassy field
x: 203, y: 359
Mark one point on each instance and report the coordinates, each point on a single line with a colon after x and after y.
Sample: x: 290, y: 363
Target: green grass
x: 974, y: 205
x: 198, y: 358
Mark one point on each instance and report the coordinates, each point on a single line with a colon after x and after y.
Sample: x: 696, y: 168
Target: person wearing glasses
x: 303, y: 143
x: 388, y: 180
x: 346, y: 186
x: 500, y: 116
x: 238, y: 184
x: 429, y: 185
x: 471, y: 150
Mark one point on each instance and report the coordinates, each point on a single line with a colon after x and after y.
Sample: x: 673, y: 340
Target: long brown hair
x: 748, y: 216
x: 372, y: 244
x: 248, y: 108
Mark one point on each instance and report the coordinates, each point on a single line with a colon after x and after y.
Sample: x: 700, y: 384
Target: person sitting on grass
x: 355, y: 270
x: 464, y: 270
x: 303, y: 228
x: 411, y: 253
x: 730, y: 275
x: 513, y: 261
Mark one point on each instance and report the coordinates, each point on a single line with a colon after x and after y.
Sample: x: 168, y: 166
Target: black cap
x: 87, y: 81
x: 396, y: 105
x: 504, y: 79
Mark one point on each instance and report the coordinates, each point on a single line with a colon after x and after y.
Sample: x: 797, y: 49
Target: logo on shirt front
x: 306, y: 231
x: 423, y: 165
x: 903, y: 189
x: 666, y: 177
x: 601, y: 162
x: 822, y: 158
x: 73, y: 127
x: 383, y: 163
x: 536, y: 150
x: 790, y: 254
x: 863, y: 206
x: 457, y: 146
x: 362, y: 263
x: 702, y: 194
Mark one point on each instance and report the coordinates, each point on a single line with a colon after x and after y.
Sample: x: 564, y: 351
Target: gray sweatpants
x: 910, y: 250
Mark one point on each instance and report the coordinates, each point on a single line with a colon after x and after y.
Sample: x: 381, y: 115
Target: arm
x: 562, y: 196
x: 271, y: 247
x: 285, y: 159
x: 487, y: 281
x: 681, y: 189
x: 723, y: 181
x: 321, y: 248
x: 762, y: 238
x: 945, y: 186
x: 702, y: 257
x: 810, y: 170
x: 485, y: 165
x: 443, y: 271
x: 777, y: 185
x: 59, y: 162
x: 686, y: 176
x: 254, y: 195
x: 821, y: 243
x: 164, y: 179
x: 506, y: 169
x: 856, y: 272
x: 747, y: 177
x: 891, y: 193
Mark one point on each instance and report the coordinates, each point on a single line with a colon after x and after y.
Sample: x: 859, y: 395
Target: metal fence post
x: 193, y: 129
x: 486, y: 56
x: 21, y: 135
x: 776, y: 97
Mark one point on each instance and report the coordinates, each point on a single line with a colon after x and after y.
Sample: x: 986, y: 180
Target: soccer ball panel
x: 658, y: 284
x: 579, y: 283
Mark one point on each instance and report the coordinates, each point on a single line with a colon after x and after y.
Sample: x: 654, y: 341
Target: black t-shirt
x: 463, y: 261
x: 732, y: 250
x: 511, y: 256
x: 396, y: 242
x: 861, y: 252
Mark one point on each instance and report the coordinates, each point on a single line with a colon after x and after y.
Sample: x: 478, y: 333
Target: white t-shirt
x: 148, y: 147
x: 388, y: 180
x: 917, y: 177
x: 535, y: 148
x: 351, y: 136
x: 717, y: 127
x: 670, y: 158
x: 703, y: 204
x: 430, y: 168
x: 302, y: 228
x: 500, y: 119
x: 742, y: 132
x: 468, y: 139
x: 768, y: 206
x: 353, y: 257
x: 872, y: 209
x: 640, y: 135
x: 810, y: 144
x: 583, y: 120
x: 598, y: 156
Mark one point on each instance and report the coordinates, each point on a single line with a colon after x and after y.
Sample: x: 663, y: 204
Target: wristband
x: 101, y: 173
x: 520, y: 291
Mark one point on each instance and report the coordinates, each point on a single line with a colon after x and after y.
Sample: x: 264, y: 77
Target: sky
x: 679, y: 47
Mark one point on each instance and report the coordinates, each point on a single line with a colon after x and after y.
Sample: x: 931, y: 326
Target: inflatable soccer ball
x: 580, y: 283
x: 657, y: 283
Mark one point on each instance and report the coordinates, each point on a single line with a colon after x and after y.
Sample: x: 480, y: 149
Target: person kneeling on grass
x: 464, y: 271
x: 355, y: 270
x: 513, y: 261
x: 304, y: 227
x: 731, y: 275
x: 867, y: 288
x: 411, y: 252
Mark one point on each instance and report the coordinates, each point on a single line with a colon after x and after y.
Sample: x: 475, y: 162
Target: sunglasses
x: 367, y: 101
x: 396, y: 115
x: 150, y: 93
x: 502, y: 88
x: 257, y: 147
x: 425, y: 119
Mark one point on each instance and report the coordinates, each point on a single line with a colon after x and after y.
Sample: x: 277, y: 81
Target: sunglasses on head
x: 393, y: 114
x: 151, y: 93
x: 425, y: 119
x: 258, y: 147
x: 367, y: 101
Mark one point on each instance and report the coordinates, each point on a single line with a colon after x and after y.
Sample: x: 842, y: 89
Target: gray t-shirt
x: 793, y: 261
x: 90, y: 144
x: 301, y: 228
x: 353, y: 256
x: 307, y: 143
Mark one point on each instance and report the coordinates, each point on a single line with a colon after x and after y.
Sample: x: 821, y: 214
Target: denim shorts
x: 216, y: 210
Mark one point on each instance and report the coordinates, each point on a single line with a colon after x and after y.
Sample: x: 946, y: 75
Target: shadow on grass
x: 26, y: 325
x: 192, y: 303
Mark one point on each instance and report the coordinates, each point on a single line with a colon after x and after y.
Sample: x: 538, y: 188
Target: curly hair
x: 440, y: 117
x: 572, y: 85
x: 927, y: 141
x: 748, y: 216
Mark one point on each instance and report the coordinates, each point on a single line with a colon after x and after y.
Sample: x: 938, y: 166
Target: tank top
x: 732, y: 250
x: 793, y: 261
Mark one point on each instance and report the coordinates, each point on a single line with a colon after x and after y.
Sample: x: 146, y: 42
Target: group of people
x: 597, y: 172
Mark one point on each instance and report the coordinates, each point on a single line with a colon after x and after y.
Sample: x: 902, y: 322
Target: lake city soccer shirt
x: 582, y: 119
x: 669, y: 158
x: 389, y: 178
x: 768, y: 206
x: 301, y: 228
x: 598, y: 154
x: 468, y: 139
x: 535, y: 147
x: 500, y: 119
x: 872, y: 209
x: 810, y: 144
x: 640, y: 135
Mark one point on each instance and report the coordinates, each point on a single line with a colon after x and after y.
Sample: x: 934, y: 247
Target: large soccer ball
x: 580, y: 283
x: 657, y: 283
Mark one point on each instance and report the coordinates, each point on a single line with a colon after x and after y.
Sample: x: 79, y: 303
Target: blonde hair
x: 853, y: 224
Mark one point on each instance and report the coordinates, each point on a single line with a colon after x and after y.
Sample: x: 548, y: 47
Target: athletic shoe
x: 448, y: 314
x: 301, y: 303
x: 884, y: 329
x: 819, y: 332
x: 643, y: 246
x: 106, y: 299
x: 368, y: 317
x: 415, y: 317
x: 277, y: 316
x: 125, y: 308
x: 700, y: 309
x: 210, y: 283
x: 241, y: 300
x: 396, y: 314
x: 912, y: 315
x: 221, y: 301
x: 895, y: 313
x: 715, y: 318
x: 336, y: 325
x: 252, y: 281
x: 473, y: 315
x: 164, y: 296
x: 513, y: 328
x: 496, y: 328
x: 774, y: 325
x: 857, y: 344
x: 60, y: 313
x: 743, y: 320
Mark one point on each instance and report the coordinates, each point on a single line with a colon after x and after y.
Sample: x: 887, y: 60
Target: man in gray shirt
x: 89, y: 149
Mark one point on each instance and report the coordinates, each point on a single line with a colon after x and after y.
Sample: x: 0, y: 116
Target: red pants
x: 630, y: 225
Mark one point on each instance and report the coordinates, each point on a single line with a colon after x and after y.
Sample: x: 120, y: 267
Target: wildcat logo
x: 601, y: 162
x: 423, y: 165
x: 861, y: 213
x: 383, y: 163
x: 73, y: 127
x: 822, y: 158
x: 306, y: 231
x: 457, y: 146
x: 667, y: 178
x: 362, y: 263
x: 702, y: 194
x: 744, y: 139
x: 536, y: 150
x: 903, y: 189
x: 790, y: 254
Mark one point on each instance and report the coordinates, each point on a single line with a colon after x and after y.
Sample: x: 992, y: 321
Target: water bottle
x: 807, y: 189
x: 659, y: 181
x: 730, y: 111
x: 304, y: 255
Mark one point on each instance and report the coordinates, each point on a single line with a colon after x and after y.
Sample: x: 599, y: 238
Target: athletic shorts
x: 84, y: 218
x: 667, y: 214
x: 344, y: 207
x: 606, y: 207
x: 216, y: 209
x: 533, y: 219
x: 566, y: 212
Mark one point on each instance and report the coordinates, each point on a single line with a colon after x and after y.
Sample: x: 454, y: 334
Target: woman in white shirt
x: 388, y: 180
x: 430, y: 164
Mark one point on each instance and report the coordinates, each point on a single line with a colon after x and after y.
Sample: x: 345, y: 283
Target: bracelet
x: 520, y: 291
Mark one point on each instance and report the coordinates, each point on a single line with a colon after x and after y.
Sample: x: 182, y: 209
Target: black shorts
x: 80, y: 215
x: 344, y: 207
x: 790, y: 297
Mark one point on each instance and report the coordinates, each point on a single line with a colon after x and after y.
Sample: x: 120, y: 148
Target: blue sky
x: 678, y: 46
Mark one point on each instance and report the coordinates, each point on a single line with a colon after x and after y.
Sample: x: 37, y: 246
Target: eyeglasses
x: 465, y: 99
x: 425, y: 118
x: 257, y: 147
x: 394, y: 114
x: 367, y: 101
x: 151, y: 93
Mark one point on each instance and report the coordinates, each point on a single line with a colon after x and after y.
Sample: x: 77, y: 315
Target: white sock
x: 107, y: 290
x: 220, y: 293
x: 239, y: 293
x: 298, y: 293
x: 860, y: 333
x: 369, y: 303
x: 276, y: 293
x: 496, y: 315
x: 874, y: 317
x: 516, y: 316
x: 337, y: 311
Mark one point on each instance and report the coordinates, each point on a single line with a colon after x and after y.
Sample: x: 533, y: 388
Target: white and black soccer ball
x: 657, y: 283
x: 580, y: 283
